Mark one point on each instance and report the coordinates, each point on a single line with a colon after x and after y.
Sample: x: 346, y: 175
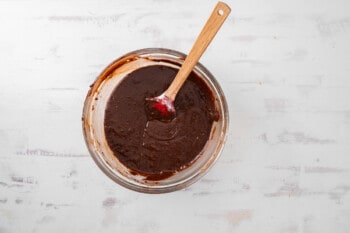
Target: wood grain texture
x: 283, y: 65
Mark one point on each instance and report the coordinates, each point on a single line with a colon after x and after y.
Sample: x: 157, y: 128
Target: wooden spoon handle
x: 212, y: 26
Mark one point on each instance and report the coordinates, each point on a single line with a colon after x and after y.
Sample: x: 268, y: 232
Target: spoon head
x: 160, y: 108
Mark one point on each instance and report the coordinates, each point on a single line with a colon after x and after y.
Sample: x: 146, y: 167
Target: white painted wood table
x: 284, y: 67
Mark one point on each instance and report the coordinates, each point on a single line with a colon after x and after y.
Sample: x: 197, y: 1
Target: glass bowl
x: 93, y: 123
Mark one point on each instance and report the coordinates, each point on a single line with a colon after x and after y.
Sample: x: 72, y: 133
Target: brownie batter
x: 151, y: 147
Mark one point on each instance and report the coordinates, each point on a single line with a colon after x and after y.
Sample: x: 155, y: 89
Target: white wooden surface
x: 284, y: 67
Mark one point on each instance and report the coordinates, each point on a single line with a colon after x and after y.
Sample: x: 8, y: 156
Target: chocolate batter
x: 151, y: 147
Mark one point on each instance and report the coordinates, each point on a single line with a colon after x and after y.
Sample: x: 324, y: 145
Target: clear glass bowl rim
x: 149, y: 52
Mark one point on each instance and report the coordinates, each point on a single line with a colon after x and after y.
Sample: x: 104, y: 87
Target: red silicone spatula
x: 162, y: 106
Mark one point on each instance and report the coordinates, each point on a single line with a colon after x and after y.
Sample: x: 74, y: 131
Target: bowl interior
x: 94, y: 112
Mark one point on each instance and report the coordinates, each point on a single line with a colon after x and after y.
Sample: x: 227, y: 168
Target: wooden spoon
x: 162, y: 107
